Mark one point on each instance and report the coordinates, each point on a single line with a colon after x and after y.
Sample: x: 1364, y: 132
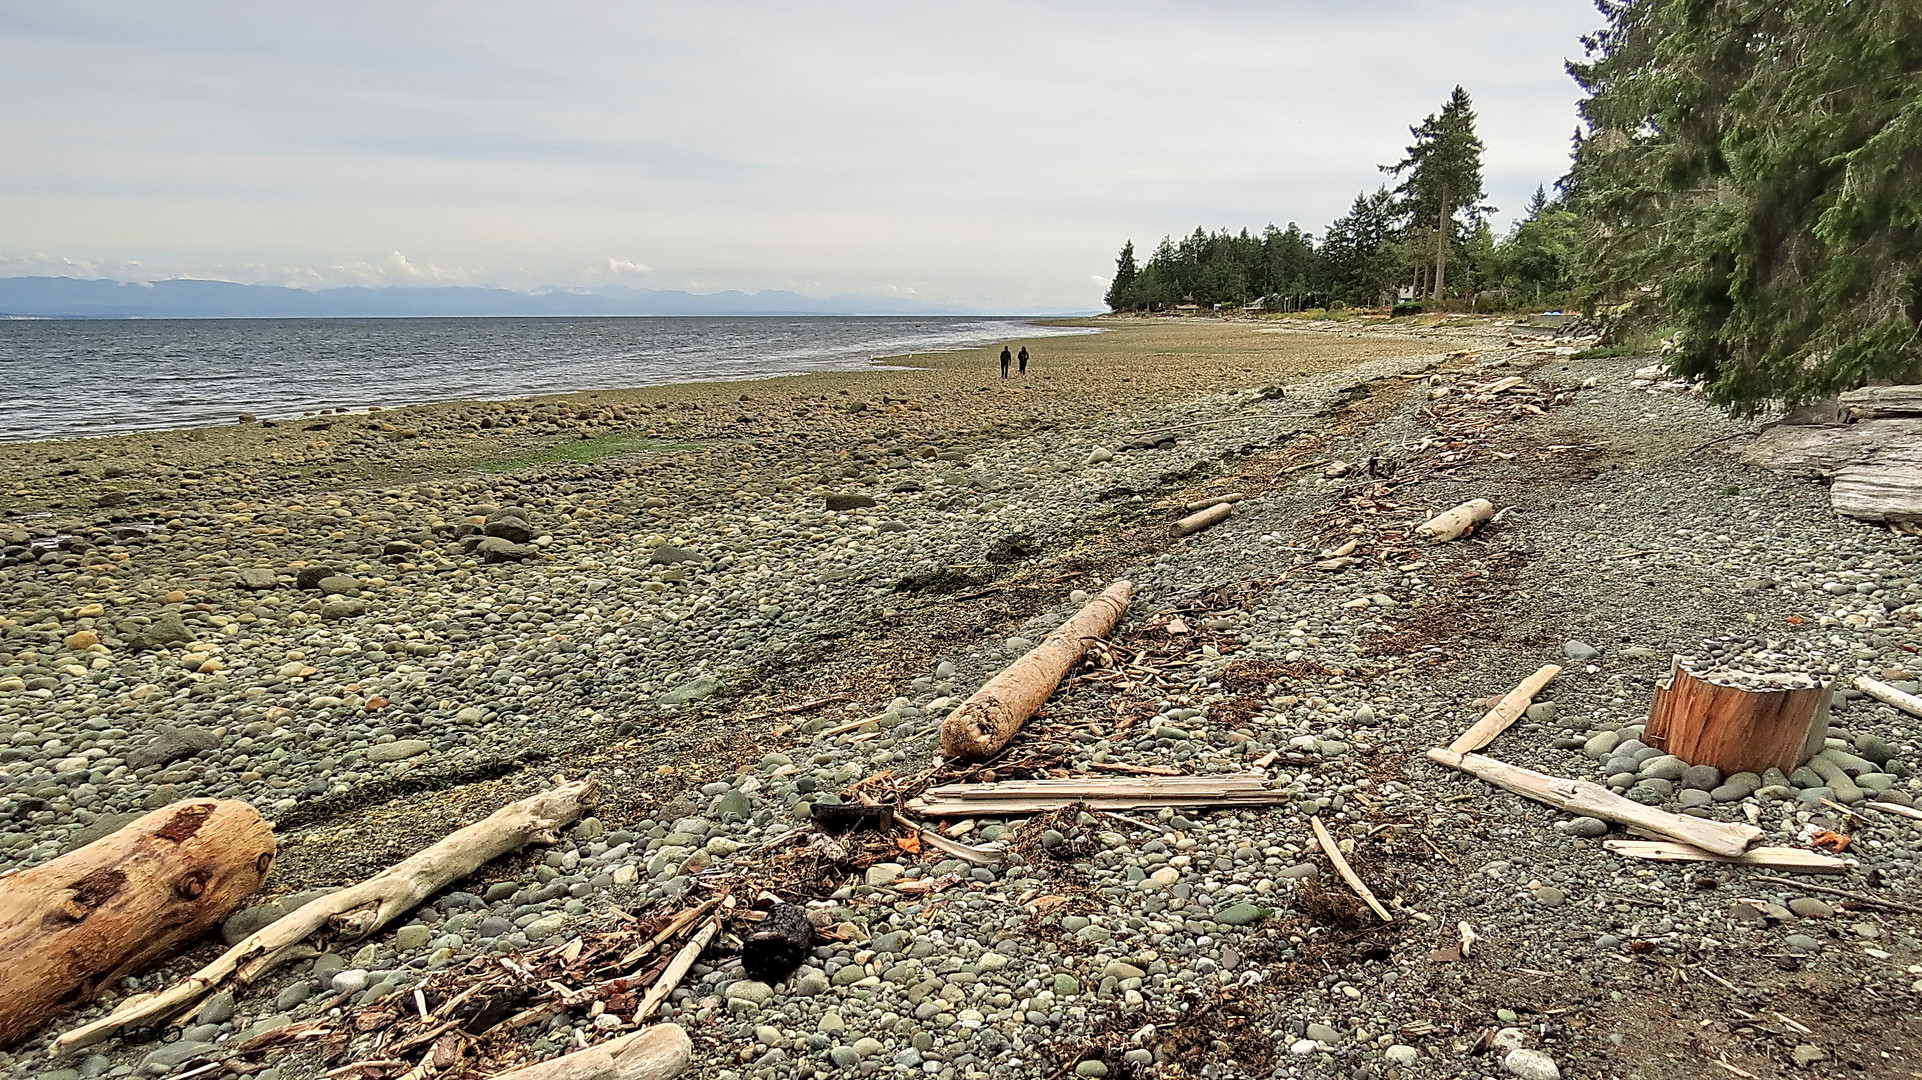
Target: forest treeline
x: 1746, y: 182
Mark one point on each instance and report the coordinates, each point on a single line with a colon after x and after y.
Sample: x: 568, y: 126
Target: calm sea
x: 71, y: 378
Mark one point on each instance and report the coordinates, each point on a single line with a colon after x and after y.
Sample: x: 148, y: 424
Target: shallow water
x: 70, y: 378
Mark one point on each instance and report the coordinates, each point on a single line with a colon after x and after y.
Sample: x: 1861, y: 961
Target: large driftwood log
x: 1872, y: 402
x: 988, y: 720
x: 1874, y: 467
x: 652, y: 1053
x: 353, y: 912
x: 1450, y: 524
x: 110, y: 908
x: 1735, y: 729
x: 1593, y: 800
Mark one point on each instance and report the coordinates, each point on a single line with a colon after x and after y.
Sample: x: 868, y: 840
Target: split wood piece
x: 1736, y: 729
x: 779, y: 944
x: 108, y: 909
x: 1860, y: 898
x: 1330, y: 849
x: 1512, y: 705
x: 1145, y: 793
x: 989, y: 719
x: 1202, y: 519
x: 1889, y: 695
x: 658, y: 1052
x: 676, y: 970
x: 1450, y: 524
x: 978, y: 856
x: 1794, y: 860
x: 1203, y: 504
x: 1500, y: 385
x: 1897, y: 809
x: 1593, y: 800
x: 353, y: 912
x: 674, y: 928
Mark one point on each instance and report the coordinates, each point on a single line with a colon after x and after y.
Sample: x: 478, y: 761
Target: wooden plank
x: 1505, y: 711
x: 1889, y: 695
x: 1329, y: 848
x: 1593, y: 800
x: 1793, y: 860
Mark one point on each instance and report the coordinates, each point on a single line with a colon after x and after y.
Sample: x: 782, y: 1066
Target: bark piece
x: 1593, y: 800
x: 1736, y: 729
x: 1512, y: 705
x: 990, y: 718
x: 1329, y: 848
x: 1889, y: 695
x: 1452, y: 523
x: 657, y: 1052
x: 1794, y: 860
x: 110, y: 908
x: 353, y: 912
x: 1201, y: 519
x: 777, y: 947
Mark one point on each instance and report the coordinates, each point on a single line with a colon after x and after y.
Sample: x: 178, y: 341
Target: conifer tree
x: 1121, y: 292
x: 1442, y: 176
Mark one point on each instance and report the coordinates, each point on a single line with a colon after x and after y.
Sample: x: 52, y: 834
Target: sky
x: 985, y: 155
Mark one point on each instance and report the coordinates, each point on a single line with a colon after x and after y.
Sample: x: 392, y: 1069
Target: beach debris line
x: 1453, y: 523
x: 1202, y: 519
x: 1793, y: 860
x: 111, y: 908
x: 353, y: 912
x: 1016, y: 797
x: 991, y: 717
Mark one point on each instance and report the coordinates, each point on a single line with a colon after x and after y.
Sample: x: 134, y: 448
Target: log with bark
x: 1593, y: 800
x: 990, y: 718
x: 1734, y: 728
x: 109, y: 909
x: 1451, y: 524
x: 657, y: 1052
x: 779, y: 944
x: 352, y: 913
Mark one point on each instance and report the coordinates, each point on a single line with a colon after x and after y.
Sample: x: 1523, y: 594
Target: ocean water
x: 75, y: 378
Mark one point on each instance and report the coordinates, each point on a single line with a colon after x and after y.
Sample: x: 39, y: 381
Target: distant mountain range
x: 187, y: 298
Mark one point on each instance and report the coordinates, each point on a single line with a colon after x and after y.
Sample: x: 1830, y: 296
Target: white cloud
x: 987, y: 154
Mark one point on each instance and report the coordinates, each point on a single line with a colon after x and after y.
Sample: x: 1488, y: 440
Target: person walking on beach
x: 1006, y: 357
x: 1024, y: 361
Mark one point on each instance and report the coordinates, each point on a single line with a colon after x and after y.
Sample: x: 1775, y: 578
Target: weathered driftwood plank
x: 1593, y: 800
x: 108, y: 909
x: 353, y: 912
x: 1512, y: 705
x: 990, y: 718
x: 1794, y: 860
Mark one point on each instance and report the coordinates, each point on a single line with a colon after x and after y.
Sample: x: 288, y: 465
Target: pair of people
x: 1006, y: 359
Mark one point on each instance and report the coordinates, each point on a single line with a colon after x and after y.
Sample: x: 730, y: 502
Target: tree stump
x: 1738, y: 728
x: 109, y: 909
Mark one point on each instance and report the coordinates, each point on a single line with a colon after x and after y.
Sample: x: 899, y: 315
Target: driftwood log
x: 353, y: 912
x: 1451, y: 524
x: 1593, y: 800
x: 1794, y: 860
x: 1889, y: 695
x: 109, y: 909
x: 1201, y: 519
x: 988, y: 720
x: 1737, y: 729
x: 657, y: 1052
x: 1873, y: 464
x: 779, y: 944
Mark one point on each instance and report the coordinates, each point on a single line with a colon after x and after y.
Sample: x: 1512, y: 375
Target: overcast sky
x: 993, y: 155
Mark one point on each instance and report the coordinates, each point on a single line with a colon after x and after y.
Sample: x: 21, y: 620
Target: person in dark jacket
x: 1024, y: 361
x: 1006, y: 358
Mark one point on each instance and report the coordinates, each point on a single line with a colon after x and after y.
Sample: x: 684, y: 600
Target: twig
x: 790, y: 710
x: 1347, y: 872
x: 676, y: 971
x: 1860, y: 898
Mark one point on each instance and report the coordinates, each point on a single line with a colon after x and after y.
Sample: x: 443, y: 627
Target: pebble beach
x: 731, y: 601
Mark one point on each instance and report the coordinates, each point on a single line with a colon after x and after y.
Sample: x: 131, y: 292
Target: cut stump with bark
x: 1737, y: 729
x: 989, y: 719
x: 109, y: 909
